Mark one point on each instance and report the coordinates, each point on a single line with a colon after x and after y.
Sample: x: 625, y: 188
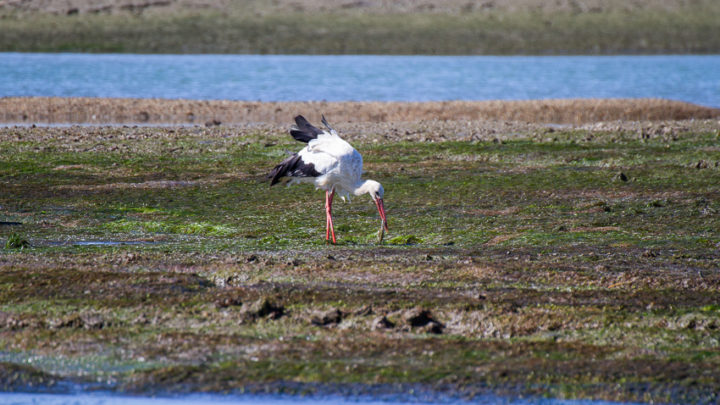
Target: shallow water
x: 201, y: 399
x: 692, y: 78
x: 111, y: 243
x: 101, y: 243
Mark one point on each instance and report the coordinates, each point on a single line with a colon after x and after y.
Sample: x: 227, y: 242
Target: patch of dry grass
x: 160, y: 111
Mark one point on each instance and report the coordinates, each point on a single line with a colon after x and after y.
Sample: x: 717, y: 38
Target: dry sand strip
x: 43, y: 110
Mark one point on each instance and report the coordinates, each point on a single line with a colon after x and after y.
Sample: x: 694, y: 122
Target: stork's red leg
x: 329, y: 214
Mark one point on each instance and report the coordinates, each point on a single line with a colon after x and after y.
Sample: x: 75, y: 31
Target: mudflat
x: 524, y: 257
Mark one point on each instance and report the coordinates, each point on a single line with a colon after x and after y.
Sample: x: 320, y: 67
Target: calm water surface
x: 692, y: 78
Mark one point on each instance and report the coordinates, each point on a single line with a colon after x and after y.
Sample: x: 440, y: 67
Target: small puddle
x: 103, y: 243
x: 9, y: 223
x: 111, y: 242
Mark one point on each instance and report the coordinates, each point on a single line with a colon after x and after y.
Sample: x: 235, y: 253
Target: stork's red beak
x: 381, y: 210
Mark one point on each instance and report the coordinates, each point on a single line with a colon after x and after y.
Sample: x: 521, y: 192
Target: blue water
x: 692, y: 78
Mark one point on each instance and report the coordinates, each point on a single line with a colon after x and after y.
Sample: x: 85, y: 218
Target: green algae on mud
x: 538, y: 269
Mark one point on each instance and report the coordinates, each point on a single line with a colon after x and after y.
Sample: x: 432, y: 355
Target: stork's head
x: 377, y: 192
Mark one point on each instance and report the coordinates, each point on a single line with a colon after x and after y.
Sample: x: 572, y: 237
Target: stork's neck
x: 362, y: 187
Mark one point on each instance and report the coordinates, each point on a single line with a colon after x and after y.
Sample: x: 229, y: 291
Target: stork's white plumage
x: 332, y: 165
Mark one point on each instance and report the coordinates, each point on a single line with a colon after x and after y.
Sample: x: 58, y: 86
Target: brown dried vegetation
x: 154, y: 111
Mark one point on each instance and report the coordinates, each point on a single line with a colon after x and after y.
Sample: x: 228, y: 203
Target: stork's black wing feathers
x: 293, y: 166
x: 303, y: 131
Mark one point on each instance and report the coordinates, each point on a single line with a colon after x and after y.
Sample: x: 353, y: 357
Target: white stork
x: 331, y: 164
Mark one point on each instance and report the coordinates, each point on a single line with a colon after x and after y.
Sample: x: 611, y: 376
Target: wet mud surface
x: 575, y: 262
